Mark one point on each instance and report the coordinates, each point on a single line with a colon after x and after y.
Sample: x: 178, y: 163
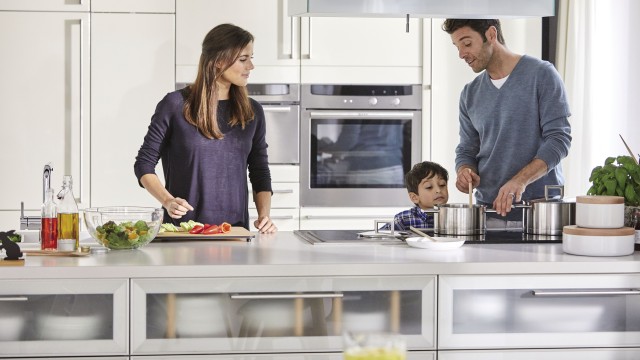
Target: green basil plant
x: 620, y: 176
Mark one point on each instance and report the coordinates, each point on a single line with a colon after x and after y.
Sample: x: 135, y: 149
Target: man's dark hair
x: 419, y: 171
x: 478, y: 25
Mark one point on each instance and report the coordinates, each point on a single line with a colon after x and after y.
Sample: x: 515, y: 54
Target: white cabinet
x: 277, y: 315
x: 538, y: 311
x: 354, y: 218
x: 582, y: 354
x: 64, y: 317
x: 413, y: 355
x: 361, y: 50
x: 307, y: 50
x: 285, y: 201
x: 132, y: 69
x: 45, y: 112
x: 276, y: 36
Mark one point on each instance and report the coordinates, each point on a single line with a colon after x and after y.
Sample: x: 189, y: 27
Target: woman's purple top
x: 211, y: 174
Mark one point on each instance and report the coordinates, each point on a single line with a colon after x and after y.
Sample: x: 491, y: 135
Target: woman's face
x: 238, y: 73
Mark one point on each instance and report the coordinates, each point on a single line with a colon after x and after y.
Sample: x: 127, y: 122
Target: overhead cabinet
x: 46, y: 107
x: 288, y: 49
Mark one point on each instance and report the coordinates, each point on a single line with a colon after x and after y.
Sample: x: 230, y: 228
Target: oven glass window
x: 359, y: 153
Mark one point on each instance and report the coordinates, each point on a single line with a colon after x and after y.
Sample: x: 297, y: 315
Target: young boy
x: 426, y: 183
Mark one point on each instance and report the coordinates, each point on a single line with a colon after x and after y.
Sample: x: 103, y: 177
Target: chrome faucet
x: 33, y: 222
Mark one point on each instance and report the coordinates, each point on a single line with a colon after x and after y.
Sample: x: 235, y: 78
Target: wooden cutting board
x: 236, y: 233
x: 55, y: 253
x: 19, y: 262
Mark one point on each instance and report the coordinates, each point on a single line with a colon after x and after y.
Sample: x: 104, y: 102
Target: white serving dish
x: 598, y: 242
x: 271, y: 317
x: 200, y: 315
x: 600, y: 211
x: 72, y: 327
x: 441, y: 243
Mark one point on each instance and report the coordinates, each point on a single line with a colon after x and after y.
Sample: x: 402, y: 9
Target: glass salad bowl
x: 123, y: 227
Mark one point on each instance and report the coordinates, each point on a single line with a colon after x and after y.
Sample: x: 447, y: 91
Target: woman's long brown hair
x: 222, y: 46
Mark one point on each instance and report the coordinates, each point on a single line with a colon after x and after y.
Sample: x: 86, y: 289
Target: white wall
x: 449, y: 74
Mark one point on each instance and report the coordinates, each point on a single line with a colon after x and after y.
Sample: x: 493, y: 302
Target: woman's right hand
x: 177, y: 207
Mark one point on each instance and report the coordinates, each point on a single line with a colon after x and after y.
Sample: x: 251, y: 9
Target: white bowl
x: 200, y: 315
x: 272, y: 317
x: 598, y: 242
x: 602, y: 212
x: 69, y: 327
x: 11, y: 326
x: 441, y: 243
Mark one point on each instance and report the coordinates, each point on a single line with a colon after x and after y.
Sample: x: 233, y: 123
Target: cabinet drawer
x: 285, y: 219
x: 285, y: 195
x: 547, y: 311
x: 65, y: 317
x: 582, y: 354
x: 413, y: 355
x: 274, y: 315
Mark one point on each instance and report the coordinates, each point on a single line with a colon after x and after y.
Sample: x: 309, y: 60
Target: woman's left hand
x: 264, y: 225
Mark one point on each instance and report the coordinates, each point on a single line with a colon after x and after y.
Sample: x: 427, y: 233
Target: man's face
x: 476, y: 53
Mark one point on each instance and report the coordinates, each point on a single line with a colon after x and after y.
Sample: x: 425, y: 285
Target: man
x: 514, y: 127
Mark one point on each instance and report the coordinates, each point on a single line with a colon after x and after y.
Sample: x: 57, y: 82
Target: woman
x: 207, y: 135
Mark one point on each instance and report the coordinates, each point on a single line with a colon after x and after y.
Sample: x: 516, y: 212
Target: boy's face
x: 431, y: 191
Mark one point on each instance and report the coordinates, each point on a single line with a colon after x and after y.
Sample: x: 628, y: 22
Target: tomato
x: 225, y: 227
x: 196, y: 229
x: 213, y: 229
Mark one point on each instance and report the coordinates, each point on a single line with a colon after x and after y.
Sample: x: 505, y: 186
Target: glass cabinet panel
x: 63, y: 317
x: 277, y: 314
x: 582, y: 354
x: 412, y: 355
x: 539, y: 311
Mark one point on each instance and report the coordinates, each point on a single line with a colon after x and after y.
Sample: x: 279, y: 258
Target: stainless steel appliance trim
x: 319, y: 217
x: 281, y: 217
x: 362, y: 114
x: 272, y: 108
x: 585, y: 292
x: 283, y: 191
x: 287, y: 296
x: 14, y: 298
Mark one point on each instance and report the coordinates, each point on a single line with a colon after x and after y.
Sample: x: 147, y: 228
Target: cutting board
x: 236, y: 233
x: 55, y: 253
x: 19, y: 262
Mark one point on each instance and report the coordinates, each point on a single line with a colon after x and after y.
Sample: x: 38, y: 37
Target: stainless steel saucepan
x: 549, y: 215
x: 459, y: 219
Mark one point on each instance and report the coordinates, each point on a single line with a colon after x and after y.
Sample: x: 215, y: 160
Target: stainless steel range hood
x: 473, y: 9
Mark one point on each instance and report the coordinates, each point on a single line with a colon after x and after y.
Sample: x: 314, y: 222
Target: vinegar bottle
x: 49, y: 223
x: 68, y: 227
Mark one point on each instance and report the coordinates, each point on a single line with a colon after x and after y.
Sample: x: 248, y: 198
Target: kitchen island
x: 511, y: 300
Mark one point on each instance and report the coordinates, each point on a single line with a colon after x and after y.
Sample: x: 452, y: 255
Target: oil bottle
x: 49, y: 222
x: 68, y: 227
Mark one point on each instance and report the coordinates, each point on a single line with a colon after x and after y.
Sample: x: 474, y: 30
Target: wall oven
x: 357, y: 142
x: 281, y: 104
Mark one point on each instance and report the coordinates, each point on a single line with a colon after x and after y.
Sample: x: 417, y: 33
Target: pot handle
x: 558, y: 187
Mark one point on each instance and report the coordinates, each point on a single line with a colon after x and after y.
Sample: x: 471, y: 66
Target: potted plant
x: 620, y: 176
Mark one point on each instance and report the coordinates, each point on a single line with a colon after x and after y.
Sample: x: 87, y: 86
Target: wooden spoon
x: 422, y: 233
x: 470, y: 192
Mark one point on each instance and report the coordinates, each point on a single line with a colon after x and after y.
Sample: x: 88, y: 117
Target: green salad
x: 125, y: 235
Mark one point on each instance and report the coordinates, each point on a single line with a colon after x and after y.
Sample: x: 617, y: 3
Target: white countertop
x: 284, y: 254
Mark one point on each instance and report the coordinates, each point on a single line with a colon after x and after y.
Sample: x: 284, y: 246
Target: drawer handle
x: 286, y: 296
x: 310, y: 217
x: 14, y: 298
x: 275, y: 217
x: 584, y: 292
x: 283, y: 191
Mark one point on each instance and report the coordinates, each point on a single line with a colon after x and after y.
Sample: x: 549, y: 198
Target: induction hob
x: 318, y: 237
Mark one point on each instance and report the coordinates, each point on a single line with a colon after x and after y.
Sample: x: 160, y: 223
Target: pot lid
x: 599, y: 199
x: 576, y: 230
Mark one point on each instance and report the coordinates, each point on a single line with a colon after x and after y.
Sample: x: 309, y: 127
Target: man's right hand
x: 466, y: 176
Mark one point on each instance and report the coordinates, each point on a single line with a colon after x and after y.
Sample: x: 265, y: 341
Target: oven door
x: 358, y: 157
x: 283, y: 122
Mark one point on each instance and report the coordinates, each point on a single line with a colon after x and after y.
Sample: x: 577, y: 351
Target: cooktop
x: 367, y: 237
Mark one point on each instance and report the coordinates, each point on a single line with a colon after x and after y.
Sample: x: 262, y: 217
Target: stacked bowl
x: 599, y: 229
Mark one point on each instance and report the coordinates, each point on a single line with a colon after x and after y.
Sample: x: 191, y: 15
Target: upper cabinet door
x: 276, y: 35
x: 139, y: 6
x: 46, y: 5
x: 136, y: 50
x: 361, y: 50
x: 45, y: 111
